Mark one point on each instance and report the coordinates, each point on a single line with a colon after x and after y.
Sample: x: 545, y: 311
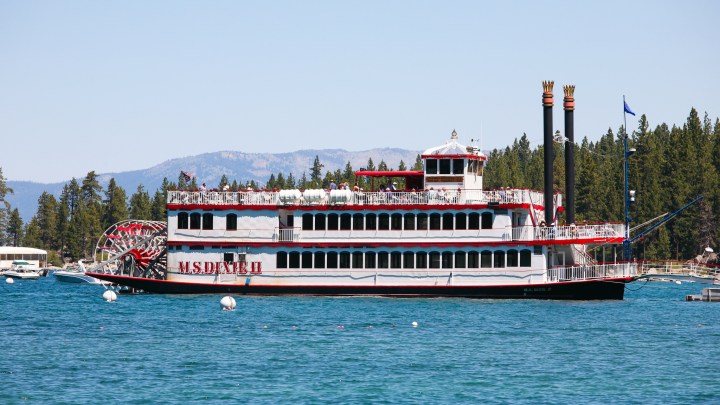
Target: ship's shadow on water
x: 64, y: 344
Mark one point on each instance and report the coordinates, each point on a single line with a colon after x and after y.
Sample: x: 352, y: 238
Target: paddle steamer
x: 443, y: 234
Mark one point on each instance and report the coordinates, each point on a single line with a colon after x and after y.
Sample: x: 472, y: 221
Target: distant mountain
x: 209, y: 168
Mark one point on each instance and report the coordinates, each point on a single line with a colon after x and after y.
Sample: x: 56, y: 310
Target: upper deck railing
x: 568, y: 232
x: 347, y: 197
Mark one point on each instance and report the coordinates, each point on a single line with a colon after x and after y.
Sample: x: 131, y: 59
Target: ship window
x: 447, y: 221
x: 371, y: 222
x: 421, y: 260
x: 434, y: 221
x: 358, y: 222
x: 431, y: 166
x: 486, y: 259
x: 525, y: 258
x: 357, y: 260
x: 207, y: 220
x: 197, y: 247
x: 345, y: 220
x: 422, y: 222
x: 332, y: 260
x: 474, y: 220
x: 408, y: 260
x: 195, y: 220
x: 472, y: 166
x: 460, y: 260
x: 383, y: 261
x: 332, y: 222
x: 461, y: 220
x: 294, y: 260
x: 434, y: 260
x: 512, y: 258
x: 487, y: 220
x: 473, y: 260
x: 344, y: 260
x: 395, y: 260
x: 182, y: 221
x: 231, y: 222
x: 499, y: 261
x: 370, y: 260
x: 444, y: 166
x: 409, y: 222
x: 396, y: 222
x: 307, y: 259
x: 241, y: 257
x: 307, y: 222
x: 447, y: 260
x: 282, y: 260
x: 228, y: 257
x: 319, y: 260
x: 458, y: 166
x: 383, y: 222
x: 319, y: 222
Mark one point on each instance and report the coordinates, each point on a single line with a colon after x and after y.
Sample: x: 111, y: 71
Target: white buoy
x: 228, y: 303
x: 109, y: 296
x: 9, y: 280
x: 678, y: 282
x: 414, y: 324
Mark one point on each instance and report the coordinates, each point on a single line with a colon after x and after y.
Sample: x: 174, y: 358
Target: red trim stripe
x: 336, y: 244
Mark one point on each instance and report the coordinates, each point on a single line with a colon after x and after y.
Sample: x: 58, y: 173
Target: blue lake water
x: 61, y: 343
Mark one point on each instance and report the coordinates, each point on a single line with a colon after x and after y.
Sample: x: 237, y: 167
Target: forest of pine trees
x: 671, y: 167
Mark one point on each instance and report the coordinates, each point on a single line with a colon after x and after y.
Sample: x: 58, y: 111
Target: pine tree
x: 63, y: 219
x: 370, y: 165
x: 418, y: 166
x: 140, y: 205
x: 223, y: 181
x: 271, y: 184
x: 15, y: 228
x: 46, y: 218
x: 115, y: 207
x: 316, y: 172
x: 158, y: 209
x: 4, y: 208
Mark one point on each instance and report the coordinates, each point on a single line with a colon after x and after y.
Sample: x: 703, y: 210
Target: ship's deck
x: 347, y: 197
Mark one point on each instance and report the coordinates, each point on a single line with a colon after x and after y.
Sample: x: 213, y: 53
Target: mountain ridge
x: 209, y: 167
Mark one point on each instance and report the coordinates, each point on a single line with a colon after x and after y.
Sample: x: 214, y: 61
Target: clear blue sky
x: 123, y: 85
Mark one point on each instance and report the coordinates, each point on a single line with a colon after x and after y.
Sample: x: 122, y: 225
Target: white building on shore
x: 8, y: 254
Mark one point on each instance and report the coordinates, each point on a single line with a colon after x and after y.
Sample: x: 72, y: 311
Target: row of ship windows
x: 359, y: 221
x: 397, y: 221
x: 204, y: 221
x: 405, y: 260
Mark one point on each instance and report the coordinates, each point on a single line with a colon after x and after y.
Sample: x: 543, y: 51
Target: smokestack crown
x: 569, y: 101
x: 547, y: 93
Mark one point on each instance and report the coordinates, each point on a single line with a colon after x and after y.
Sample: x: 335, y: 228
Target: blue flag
x: 627, y: 109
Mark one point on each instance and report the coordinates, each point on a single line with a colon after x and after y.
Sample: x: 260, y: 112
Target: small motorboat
x: 23, y: 270
x: 76, y: 275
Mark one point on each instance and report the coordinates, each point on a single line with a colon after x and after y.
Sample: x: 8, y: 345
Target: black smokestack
x: 569, y: 106
x: 548, y: 136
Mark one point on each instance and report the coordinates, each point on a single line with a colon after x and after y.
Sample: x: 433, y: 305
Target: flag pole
x: 626, y: 242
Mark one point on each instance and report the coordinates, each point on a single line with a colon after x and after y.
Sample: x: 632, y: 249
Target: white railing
x: 286, y: 234
x: 442, y: 197
x: 589, y: 272
x: 603, y: 231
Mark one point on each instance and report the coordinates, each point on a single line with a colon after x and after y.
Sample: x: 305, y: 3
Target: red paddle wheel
x: 133, y: 248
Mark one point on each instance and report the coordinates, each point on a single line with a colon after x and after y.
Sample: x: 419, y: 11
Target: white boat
x: 23, y: 270
x: 76, y: 275
x: 443, y: 235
